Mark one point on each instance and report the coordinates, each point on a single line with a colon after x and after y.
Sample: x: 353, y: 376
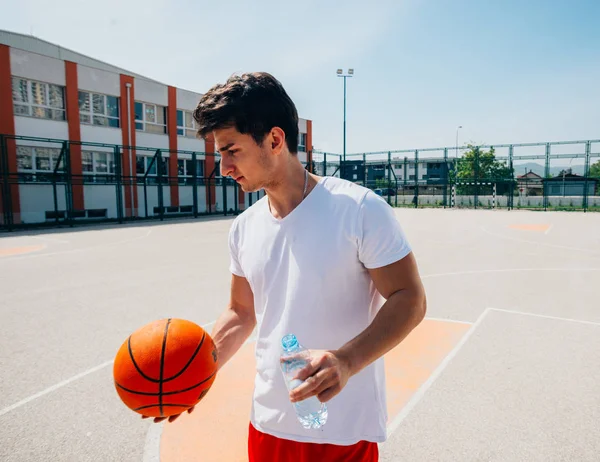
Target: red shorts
x: 268, y: 448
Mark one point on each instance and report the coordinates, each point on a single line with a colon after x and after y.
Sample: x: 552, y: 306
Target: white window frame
x: 302, y: 142
x: 32, y: 106
x: 188, y: 132
x: 147, y: 159
x: 91, y: 114
x: 183, y: 177
x: 144, y: 123
x: 34, y: 170
x: 96, y: 173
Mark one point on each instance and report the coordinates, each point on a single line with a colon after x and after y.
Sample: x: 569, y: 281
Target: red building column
x: 72, y: 97
x: 172, y: 129
x: 7, y: 127
x: 209, y: 165
x: 309, y: 145
x: 128, y: 154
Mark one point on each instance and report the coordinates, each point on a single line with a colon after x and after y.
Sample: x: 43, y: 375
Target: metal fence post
x: 588, y: 151
x: 511, y: 191
x: 445, y: 173
x: 547, y: 175
x: 119, y: 182
x: 224, y: 186
x: 476, y: 174
x: 5, y: 190
x: 161, y: 200
x: 69, y: 182
x: 389, y: 177
x: 416, y: 196
x: 195, y: 184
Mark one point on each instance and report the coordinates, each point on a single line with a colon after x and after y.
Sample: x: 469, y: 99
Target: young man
x: 319, y: 257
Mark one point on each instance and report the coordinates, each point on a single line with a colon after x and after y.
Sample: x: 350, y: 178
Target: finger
x: 159, y: 419
x: 311, y: 386
x: 329, y: 393
x: 311, y: 368
x: 173, y: 417
x: 191, y: 409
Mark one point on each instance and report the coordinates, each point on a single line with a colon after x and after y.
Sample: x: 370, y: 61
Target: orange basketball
x: 165, y: 367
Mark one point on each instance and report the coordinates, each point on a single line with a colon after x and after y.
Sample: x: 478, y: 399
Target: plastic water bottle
x: 311, y: 412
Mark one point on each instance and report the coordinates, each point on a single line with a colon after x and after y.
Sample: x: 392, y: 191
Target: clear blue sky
x: 508, y: 71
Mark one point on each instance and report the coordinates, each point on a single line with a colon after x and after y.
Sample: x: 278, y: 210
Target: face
x: 251, y: 165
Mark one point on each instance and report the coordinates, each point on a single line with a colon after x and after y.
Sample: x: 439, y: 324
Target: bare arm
x: 236, y: 323
x: 405, y: 307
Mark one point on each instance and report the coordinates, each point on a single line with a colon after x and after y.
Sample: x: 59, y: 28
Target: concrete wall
x: 37, y: 67
x: 151, y: 92
x: 37, y: 199
x: 99, y: 81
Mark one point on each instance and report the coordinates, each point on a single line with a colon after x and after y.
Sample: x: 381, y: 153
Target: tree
x: 595, y: 173
x: 595, y: 170
x: 480, y: 166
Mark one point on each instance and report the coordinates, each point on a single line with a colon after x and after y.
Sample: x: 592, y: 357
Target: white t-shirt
x: 308, y: 274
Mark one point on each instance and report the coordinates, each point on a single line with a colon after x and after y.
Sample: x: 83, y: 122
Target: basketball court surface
x: 505, y: 367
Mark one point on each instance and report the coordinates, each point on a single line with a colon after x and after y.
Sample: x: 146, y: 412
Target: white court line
x: 101, y: 246
x: 506, y: 270
x: 538, y: 243
x: 55, y: 387
x: 556, y: 318
x: 6, y: 410
x: 548, y: 230
x: 152, y: 442
x: 394, y: 424
x: 448, y: 320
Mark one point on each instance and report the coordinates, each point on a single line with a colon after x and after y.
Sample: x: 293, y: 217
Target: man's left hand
x: 325, y: 376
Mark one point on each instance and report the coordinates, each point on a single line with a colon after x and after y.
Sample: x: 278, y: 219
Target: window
x: 302, y: 142
x: 185, y: 169
x: 150, y: 118
x: 143, y: 163
x: 40, y: 162
x: 186, y: 125
x: 98, y: 109
x: 38, y: 99
x: 99, y: 164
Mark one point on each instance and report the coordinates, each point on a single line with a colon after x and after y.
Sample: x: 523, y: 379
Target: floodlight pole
x: 340, y: 73
x: 344, y: 120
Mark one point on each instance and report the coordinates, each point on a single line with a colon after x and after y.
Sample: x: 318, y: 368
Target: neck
x: 287, y: 191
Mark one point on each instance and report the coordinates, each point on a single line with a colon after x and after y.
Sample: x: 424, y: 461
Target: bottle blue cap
x: 289, y: 341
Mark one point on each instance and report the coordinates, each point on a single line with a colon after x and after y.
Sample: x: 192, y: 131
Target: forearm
x: 230, y: 332
x: 398, y: 316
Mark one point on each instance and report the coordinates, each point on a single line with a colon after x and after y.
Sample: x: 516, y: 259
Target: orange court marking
x: 20, y: 250
x: 217, y: 430
x: 541, y: 228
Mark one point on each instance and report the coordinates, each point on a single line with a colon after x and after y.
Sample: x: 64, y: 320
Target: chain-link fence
x: 537, y: 176
x: 59, y: 182
x: 56, y: 182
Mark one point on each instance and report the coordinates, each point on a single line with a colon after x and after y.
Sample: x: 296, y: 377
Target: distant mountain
x: 521, y: 169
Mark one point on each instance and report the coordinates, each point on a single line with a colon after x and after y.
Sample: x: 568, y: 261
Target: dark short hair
x: 253, y: 103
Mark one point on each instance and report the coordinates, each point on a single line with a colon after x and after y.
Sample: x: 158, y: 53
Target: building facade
x: 58, y: 95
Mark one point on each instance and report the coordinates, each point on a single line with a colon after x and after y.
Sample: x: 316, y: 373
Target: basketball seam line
x: 150, y: 379
x: 136, y: 365
x: 162, y: 367
x: 148, y: 393
x: 162, y: 405
x: 189, y: 362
